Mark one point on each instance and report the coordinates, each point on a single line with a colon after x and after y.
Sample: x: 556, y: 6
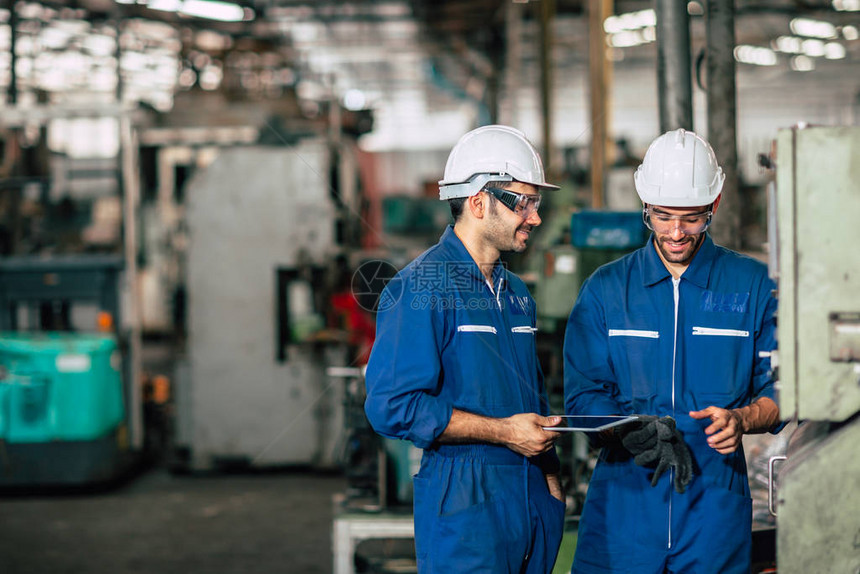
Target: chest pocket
x: 483, y: 370
x: 723, y: 351
x: 634, y: 343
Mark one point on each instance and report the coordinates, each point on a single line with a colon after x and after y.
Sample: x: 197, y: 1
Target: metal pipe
x: 513, y: 59
x: 131, y: 199
x: 547, y: 14
x: 495, y: 78
x: 12, y: 90
x: 118, y: 54
x: 722, y: 118
x: 674, y: 76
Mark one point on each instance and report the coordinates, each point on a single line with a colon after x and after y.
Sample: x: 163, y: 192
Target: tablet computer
x: 591, y: 423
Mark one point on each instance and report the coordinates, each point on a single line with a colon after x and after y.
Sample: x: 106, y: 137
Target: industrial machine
x: 813, y: 227
x: 252, y: 390
x: 63, y: 416
x: 70, y: 400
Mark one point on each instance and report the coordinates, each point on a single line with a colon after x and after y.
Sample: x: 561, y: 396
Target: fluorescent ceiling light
x: 834, y: 51
x: 164, y: 5
x: 802, y: 64
x: 846, y: 5
x: 812, y: 28
x: 354, y: 100
x: 630, y: 21
x: 755, y: 55
x: 695, y: 9
x: 813, y: 48
x: 625, y: 39
x: 213, y: 10
x: 209, y: 9
x: 788, y: 44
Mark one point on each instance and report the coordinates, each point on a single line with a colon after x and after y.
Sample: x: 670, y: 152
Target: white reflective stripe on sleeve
x: 525, y: 329
x: 476, y: 329
x: 634, y: 333
x: 720, y: 332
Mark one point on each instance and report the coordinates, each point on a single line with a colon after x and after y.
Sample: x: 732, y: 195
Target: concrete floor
x: 159, y: 523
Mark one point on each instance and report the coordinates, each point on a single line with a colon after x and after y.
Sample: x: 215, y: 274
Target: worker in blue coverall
x: 454, y: 370
x: 674, y: 331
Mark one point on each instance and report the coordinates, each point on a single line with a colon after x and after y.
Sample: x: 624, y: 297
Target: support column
x: 674, y: 78
x: 547, y: 15
x: 722, y: 117
x: 600, y: 79
x: 513, y: 63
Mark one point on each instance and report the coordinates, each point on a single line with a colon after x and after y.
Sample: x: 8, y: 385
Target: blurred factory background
x: 200, y: 202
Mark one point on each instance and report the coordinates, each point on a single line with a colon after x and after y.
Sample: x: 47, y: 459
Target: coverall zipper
x: 507, y: 329
x: 675, y: 285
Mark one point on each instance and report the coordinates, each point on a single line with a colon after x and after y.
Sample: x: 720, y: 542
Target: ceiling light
x: 215, y: 10
x: 695, y: 9
x: 834, y: 51
x: 813, y: 48
x: 630, y: 21
x: 164, y: 5
x: 649, y: 34
x: 846, y: 5
x: 802, y: 64
x: 788, y: 44
x: 209, y: 9
x: 850, y: 32
x: 210, y: 78
x: 755, y: 55
x: 354, y: 100
x: 624, y: 39
x: 812, y: 28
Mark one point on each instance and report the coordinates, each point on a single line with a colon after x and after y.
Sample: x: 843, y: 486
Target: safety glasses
x: 689, y: 224
x: 522, y: 204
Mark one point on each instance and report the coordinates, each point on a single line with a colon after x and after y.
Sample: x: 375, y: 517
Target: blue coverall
x: 639, y: 342
x: 445, y: 340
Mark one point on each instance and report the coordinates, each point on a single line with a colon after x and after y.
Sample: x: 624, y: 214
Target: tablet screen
x: 591, y: 423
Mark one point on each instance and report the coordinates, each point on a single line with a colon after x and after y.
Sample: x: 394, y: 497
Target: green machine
x: 815, y: 209
x: 63, y: 416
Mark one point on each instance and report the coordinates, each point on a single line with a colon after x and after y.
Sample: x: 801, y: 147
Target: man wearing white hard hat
x: 674, y: 332
x: 454, y: 370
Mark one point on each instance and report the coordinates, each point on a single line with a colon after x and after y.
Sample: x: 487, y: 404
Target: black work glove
x: 656, y: 442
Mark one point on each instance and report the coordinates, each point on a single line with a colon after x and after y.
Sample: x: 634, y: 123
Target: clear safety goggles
x: 523, y: 204
x: 689, y: 224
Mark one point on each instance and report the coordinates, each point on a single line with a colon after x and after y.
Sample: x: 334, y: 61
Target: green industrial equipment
x: 59, y: 387
x: 63, y: 392
x: 814, y: 227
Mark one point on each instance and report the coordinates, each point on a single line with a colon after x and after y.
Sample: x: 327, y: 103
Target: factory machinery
x: 815, y: 207
x: 252, y: 387
x: 71, y: 412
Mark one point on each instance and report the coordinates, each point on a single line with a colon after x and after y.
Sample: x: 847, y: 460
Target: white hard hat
x: 491, y: 153
x: 679, y: 170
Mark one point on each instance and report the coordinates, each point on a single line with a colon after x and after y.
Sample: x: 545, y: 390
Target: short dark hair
x: 456, y: 204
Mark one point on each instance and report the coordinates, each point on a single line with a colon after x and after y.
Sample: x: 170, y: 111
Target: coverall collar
x: 451, y: 243
x: 697, y: 273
